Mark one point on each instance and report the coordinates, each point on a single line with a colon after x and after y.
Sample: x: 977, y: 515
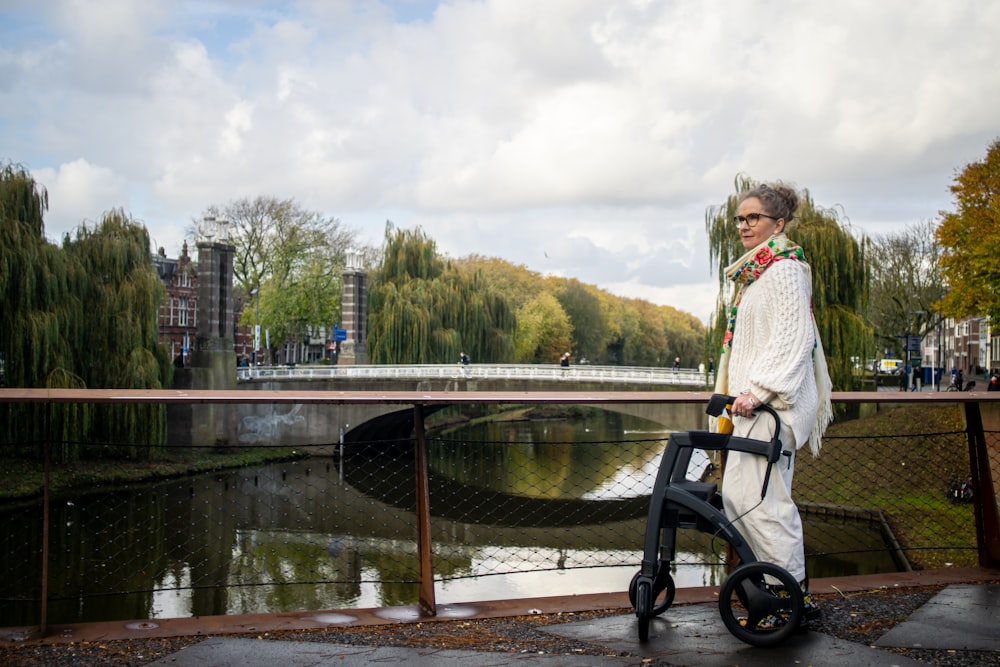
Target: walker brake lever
x: 767, y: 474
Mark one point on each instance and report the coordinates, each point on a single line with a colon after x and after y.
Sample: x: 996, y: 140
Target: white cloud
x: 591, y: 131
x: 79, y: 193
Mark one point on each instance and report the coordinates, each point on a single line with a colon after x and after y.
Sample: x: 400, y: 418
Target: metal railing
x: 581, y: 373
x: 364, y: 516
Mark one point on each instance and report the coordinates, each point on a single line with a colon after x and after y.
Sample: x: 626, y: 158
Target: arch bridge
x: 300, y: 424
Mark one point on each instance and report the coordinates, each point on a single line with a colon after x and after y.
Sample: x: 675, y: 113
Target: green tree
x: 659, y: 334
x: 77, y: 316
x: 34, y: 282
x: 906, y: 284
x: 40, y: 327
x: 970, y: 241
x: 583, y: 305
x: 523, y: 289
x: 516, y: 282
x: 543, y: 331
x: 584, y: 320
x: 624, y: 319
x: 295, y: 257
x: 119, y: 349
x: 422, y: 309
x: 649, y: 344
x: 616, y: 327
x: 840, y: 278
x: 685, y: 336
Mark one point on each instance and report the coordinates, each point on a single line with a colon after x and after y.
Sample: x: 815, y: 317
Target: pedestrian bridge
x: 533, y: 373
x: 310, y: 423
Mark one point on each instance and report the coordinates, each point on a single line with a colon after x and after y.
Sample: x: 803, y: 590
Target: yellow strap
x: 724, y: 425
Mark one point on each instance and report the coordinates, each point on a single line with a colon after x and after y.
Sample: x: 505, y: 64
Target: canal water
x: 519, y: 509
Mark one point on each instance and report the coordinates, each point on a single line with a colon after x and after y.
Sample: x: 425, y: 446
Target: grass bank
x: 900, y: 461
x: 22, y: 479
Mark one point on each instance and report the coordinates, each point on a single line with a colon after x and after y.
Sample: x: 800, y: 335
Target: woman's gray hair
x: 778, y: 199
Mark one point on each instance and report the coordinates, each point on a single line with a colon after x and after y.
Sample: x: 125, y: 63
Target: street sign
x: 340, y: 334
x: 912, y: 343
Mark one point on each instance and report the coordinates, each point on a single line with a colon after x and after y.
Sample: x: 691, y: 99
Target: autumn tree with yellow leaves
x: 970, y: 241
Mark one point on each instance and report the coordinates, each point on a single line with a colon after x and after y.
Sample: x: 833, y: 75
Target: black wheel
x: 759, y: 613
x: 643, y: 602
x: 663, y: 591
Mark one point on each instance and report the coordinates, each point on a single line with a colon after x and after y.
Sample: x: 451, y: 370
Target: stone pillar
x: 354, y: 312
x: 213, y: 360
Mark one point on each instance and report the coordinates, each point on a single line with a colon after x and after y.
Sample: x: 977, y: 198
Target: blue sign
x: 339, y: 334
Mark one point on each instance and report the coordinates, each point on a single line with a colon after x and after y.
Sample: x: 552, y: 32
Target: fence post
x: 985, y: 500
x: 43, y: 624
x: 425, y: 577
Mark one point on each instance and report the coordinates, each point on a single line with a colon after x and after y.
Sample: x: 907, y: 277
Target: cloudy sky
x: 583, y: 138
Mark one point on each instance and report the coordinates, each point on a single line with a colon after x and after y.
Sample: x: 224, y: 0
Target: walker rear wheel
x: 759, y: 613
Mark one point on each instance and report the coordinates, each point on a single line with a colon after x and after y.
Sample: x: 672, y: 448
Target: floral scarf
x: 751, y: 266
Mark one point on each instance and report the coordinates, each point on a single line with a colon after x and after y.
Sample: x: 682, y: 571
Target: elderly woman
x: 772, y: 354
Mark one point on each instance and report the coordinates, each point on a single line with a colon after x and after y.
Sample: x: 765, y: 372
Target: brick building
x: 178, y: 317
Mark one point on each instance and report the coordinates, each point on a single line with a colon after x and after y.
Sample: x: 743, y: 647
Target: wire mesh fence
x: 899, y: 483
x: 309, y: 530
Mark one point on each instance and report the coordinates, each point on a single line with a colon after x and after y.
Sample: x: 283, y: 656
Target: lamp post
x: 256, y: 325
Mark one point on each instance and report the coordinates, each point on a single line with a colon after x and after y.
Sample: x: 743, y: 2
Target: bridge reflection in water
x: 518, y: 509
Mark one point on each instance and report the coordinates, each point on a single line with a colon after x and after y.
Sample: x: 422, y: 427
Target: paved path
x: 961, y: 617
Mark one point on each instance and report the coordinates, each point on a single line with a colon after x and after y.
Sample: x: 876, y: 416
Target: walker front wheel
x: 663, y: 591
x: 643, y: 608
x: 759, y: 613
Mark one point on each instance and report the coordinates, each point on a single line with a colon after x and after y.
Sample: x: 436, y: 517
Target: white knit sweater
x: 772, y: 347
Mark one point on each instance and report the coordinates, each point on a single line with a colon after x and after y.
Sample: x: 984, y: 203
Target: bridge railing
x: 581, y: 373
x: 245, y: 535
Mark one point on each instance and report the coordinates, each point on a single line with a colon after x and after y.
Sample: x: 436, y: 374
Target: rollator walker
x: 746, y: 597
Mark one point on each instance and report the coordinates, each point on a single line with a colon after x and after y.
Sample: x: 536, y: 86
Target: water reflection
x: 326, y: 533
x: 600, y: 459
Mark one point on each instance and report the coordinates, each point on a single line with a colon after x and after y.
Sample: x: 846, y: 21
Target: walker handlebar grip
x: 717, y: 404
x: 771, y: 451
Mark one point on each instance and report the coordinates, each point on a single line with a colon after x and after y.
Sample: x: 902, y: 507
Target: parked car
x: 890, y: 366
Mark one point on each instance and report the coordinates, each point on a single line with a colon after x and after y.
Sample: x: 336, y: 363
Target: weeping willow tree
x: 118, y: 346
x: 423, y: 310
x: 840, y: 277
x: 58, y: 331
x: 38, y: 327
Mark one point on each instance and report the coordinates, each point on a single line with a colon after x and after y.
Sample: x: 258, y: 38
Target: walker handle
x: 718, y: 403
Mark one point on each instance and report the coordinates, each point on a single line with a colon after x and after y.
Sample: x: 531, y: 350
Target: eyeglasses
x: 751, y: 219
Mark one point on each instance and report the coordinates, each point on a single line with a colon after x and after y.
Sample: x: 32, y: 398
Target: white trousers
x: 771, y: 526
